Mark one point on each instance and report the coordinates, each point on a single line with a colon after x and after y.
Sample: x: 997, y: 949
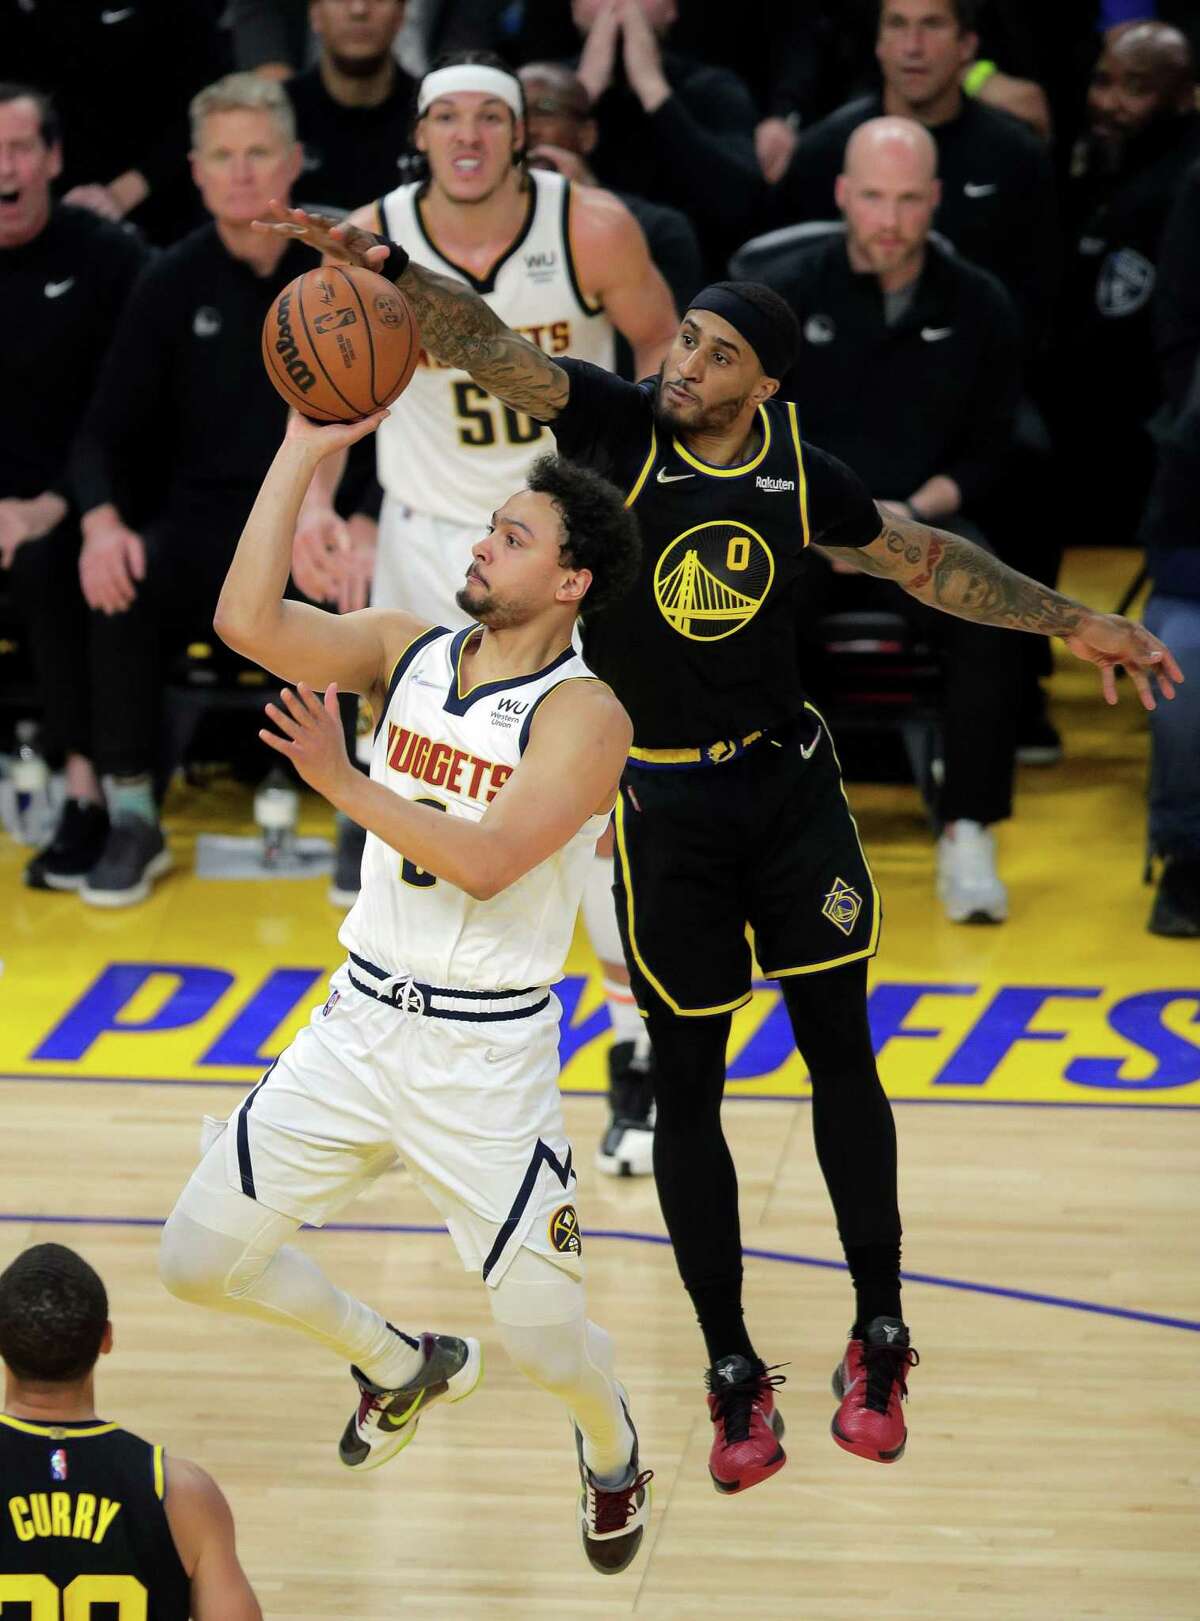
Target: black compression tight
x: 855, y: 1141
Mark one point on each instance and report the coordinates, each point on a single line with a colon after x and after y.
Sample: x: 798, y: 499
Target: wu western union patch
x: 842, y: 905
x: 564, y: 1230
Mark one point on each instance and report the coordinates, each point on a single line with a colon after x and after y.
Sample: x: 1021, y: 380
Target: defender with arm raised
x: 731, y: 810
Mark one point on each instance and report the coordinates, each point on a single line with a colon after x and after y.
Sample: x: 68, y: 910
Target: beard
x: 488, y: 609
x: 715, y: 419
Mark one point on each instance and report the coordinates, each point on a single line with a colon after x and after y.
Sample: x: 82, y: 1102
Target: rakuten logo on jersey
x: 441, y: 765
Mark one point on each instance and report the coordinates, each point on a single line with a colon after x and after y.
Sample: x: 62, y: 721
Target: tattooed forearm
x: 459, y: 329
x: 963, y: 579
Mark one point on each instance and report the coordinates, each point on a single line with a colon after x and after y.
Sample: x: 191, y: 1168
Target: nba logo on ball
x: 340, y: 343
x: 58, y: 1464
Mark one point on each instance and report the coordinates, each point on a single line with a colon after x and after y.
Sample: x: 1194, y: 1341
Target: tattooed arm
x: 457, y: 327
x: 963, y: 579
x: 461, y: 330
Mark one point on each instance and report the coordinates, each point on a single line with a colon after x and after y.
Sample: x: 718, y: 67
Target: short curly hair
x: 601, y: 533
x: 53, y: 1313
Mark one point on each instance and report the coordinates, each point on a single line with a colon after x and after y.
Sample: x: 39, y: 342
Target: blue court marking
x: 661, y: 1241
x: 734, y: 1093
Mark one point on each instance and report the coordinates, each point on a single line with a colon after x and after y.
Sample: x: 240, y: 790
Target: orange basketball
x: 340, y: 342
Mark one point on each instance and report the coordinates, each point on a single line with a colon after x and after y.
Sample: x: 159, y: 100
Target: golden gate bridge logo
x: 712, y: 579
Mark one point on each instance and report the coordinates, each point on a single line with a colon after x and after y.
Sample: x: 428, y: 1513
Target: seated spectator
x: 1170, y: 532
x: 997, y: 199
x: 1144, y: 135
x: 183, y: 390
x: 896, y: 328
x: 121, y: 76
x: 670, y: 128
x: 172, y: 1551
x: 354, y: 106
x: 272, y: 37
x: 561, y: 134
x: 782, y: 53
x: 68, y: 272
x: 1175, y: 309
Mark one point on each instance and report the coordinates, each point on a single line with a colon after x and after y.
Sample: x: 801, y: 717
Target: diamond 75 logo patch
x: 842, y: 905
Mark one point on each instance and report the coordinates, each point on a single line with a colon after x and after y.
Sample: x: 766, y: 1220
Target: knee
x: 190, y: 1263
x: 553, y: 1367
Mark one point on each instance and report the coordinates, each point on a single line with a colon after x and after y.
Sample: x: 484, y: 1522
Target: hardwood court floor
x: 1049, y: 1183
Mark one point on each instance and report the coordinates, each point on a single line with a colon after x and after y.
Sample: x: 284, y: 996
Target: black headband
x: 772, y: 341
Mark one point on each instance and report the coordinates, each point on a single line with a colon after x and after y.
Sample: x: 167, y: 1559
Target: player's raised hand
x: 312, y: 737
x: 346, y: 244
x: 1111, y: 643
x: 324, y: 438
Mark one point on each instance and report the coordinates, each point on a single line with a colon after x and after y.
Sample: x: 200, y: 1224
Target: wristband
x: 976, y: 76
x: 396, y: 263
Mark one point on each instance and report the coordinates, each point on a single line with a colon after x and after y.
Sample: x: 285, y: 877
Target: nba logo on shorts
x: 58, y: 1464
x: 330, y: 1004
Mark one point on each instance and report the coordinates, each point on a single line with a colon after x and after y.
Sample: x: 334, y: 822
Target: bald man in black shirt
x: 997, y: 205
x: 68, y: 273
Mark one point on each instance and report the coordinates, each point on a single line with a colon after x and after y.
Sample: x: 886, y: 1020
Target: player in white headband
x: 565, y: 265
x: 471, y: 76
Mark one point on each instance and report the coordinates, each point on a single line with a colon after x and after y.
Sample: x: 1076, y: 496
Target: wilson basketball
x: 339, y: 343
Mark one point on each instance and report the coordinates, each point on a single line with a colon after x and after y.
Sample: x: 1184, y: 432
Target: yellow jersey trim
x: 56, y: 1432
x: 462, y: 648
x: 730, y: 472
x: 399, y: 659
x: 160, y: 1483
x: 801, y: 477
x: 696, y: 756
x: 646, y: 466
x: 651, y: 978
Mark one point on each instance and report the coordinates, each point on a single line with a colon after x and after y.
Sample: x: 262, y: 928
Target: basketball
x: 340, y: 342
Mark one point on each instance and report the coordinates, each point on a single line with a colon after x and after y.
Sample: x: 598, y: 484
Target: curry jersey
x: 83, y: 1529
x: 449, y: 448
x: 702, y: 651
x: 454, y: 749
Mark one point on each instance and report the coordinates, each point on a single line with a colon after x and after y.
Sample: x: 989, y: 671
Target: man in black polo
x: 997, y: 202
x: 354, y: 106
x: 731, y: 810
x: 182, y: 426
x: 68, y: 273
x: 888, y: 315
x: 1144, y: 133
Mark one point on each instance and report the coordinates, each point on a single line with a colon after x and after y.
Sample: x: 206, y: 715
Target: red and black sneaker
x: 870, y: 1382
x: 748, y: 1425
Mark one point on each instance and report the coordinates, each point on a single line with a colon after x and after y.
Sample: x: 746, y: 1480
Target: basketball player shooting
x: 731, y: 810
x: 495, y: 767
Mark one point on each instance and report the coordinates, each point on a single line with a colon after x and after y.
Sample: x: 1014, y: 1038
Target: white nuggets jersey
x: 449, y: 447
x: 455, y: 749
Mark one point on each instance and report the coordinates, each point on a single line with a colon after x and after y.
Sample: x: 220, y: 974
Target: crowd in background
x: 1001, y: 317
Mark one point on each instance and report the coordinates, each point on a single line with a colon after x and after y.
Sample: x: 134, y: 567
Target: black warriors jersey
x: 704, y: 646
x: 83, y: 1530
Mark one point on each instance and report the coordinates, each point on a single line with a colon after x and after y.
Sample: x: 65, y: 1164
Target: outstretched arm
x: 457, y: 327
x: 963, y: 579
